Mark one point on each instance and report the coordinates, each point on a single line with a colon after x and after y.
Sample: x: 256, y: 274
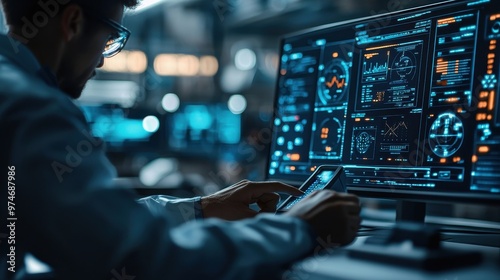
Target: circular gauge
x: 404, y: 65
x: 329, y: 136
x: 496, y: 27
x: 446, y: 135
x: 333, y: 82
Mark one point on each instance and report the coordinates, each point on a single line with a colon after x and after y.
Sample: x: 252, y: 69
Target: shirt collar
x: 48, y: 76
x: 19, y: 54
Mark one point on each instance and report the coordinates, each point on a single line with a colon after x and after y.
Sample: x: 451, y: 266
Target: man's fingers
x: 238, y: 214
x: 355, y: 223
x: 248, y: 214
x: 347, y: 196
x: 268, y: 187
x: 267, y: 202
x: 352, y: 208
x: 347, y: 207
x: 332, y: 196
x: 241, y: 183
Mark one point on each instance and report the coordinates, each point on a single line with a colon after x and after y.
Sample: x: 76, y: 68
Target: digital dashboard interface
x: 404, y: 101
x: 318, y: 181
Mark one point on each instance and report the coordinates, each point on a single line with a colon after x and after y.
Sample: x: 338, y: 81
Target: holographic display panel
x: 405, y: 101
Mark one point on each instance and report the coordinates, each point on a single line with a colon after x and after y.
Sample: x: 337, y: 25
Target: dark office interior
x: 189, y: 108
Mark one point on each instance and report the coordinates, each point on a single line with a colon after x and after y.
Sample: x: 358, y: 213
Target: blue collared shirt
x: 70, y: 216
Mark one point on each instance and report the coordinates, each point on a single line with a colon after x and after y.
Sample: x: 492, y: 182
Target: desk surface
x: 337, y: 264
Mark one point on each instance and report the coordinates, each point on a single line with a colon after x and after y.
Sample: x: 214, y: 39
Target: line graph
x: 393, y: 130
x: 335, y: 81
x: 375, y: 69
x: 376, y: 66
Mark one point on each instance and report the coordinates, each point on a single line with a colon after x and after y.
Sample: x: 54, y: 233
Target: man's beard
x: 73, y: 91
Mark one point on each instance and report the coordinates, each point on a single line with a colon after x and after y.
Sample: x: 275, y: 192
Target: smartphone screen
x: 321, y: 180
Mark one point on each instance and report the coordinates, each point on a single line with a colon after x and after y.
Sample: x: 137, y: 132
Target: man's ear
x: 72, y: 20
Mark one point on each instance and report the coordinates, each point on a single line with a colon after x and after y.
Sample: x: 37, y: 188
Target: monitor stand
x: 413, y: 243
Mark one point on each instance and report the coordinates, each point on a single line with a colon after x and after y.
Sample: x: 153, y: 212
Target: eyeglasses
x: 117, y: 39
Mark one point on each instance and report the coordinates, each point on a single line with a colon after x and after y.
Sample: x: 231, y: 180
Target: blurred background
x: 186, y: 108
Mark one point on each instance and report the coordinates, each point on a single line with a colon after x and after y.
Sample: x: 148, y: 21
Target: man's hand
x: 333, y: 216
x: 232, y: 203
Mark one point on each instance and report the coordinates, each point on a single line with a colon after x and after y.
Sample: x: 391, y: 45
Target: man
x: 60, y: 204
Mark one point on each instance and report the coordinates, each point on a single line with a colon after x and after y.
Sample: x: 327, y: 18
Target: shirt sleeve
x: 71, y: 217
x: 180, y: 210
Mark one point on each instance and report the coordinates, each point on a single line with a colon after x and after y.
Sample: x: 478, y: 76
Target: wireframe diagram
x: 389, y: 139
x: 363, y: 142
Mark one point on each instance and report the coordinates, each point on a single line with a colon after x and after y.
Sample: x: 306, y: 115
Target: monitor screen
x: 124, y: 130
x: 324, y: 178
x: 202, y: 129
x: 407, y: 102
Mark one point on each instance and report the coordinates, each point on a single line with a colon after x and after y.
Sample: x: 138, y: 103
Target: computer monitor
x: 407, y: 102
x: 125, y: 130
x: 202, y: 129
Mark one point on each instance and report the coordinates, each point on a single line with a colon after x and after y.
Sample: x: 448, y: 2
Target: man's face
x: 84, y: 54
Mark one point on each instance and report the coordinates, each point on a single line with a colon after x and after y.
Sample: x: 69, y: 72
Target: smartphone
x: 324, y: 177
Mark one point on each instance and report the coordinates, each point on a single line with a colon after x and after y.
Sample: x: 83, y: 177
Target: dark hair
x: 16, y: 10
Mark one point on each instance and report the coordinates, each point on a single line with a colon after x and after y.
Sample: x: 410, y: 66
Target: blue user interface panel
x: 403, y: 101
x: 318, y: 182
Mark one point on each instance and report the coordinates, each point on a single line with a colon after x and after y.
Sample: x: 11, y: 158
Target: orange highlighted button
x: 294, y: 157
x: 483, y: 149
